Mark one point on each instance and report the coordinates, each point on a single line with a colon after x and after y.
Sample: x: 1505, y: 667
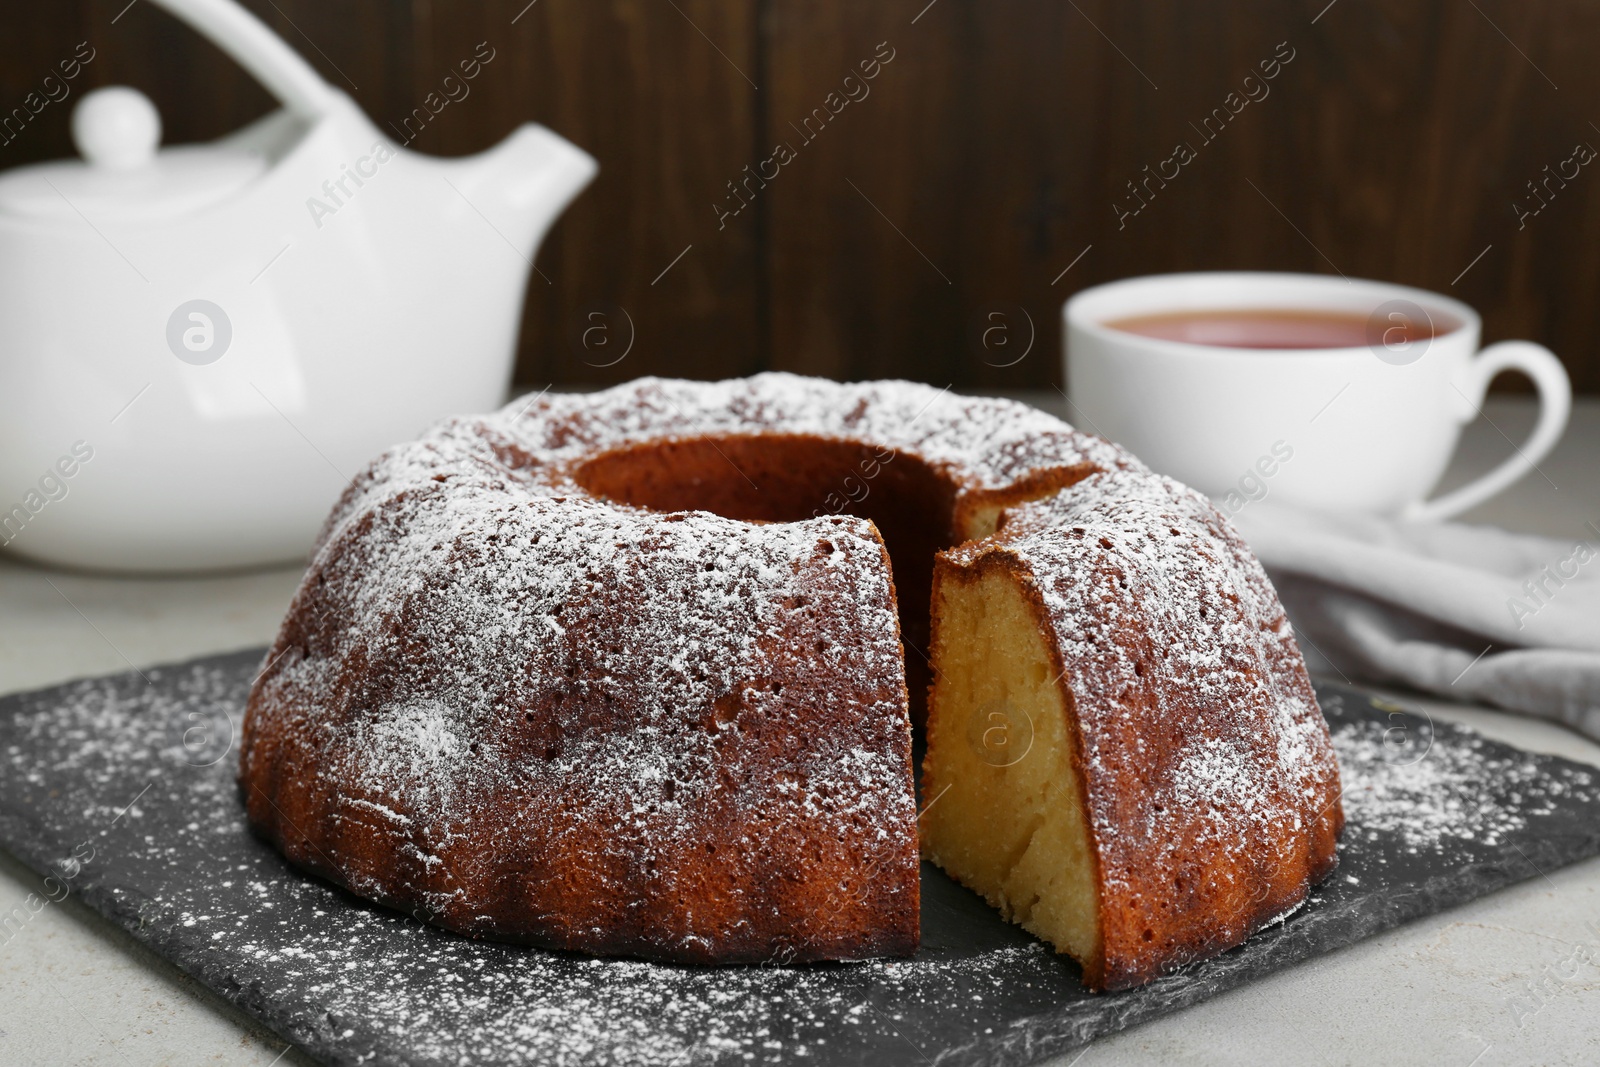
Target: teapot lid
x: 122, y: 176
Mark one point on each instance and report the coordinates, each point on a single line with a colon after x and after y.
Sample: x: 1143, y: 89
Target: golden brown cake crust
x: 1209, y: 779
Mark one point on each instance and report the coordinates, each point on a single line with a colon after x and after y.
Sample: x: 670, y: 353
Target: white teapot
x: 203, y: 344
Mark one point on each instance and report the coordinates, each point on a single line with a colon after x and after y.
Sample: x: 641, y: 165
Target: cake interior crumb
x: 1011, y: 823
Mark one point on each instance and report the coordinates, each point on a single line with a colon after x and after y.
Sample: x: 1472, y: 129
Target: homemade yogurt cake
x: 627, y: 673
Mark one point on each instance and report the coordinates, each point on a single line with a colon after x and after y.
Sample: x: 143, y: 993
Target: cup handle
x: 1555, y: 404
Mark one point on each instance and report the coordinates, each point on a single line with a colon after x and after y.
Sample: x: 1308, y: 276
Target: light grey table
x: 1513, y: 978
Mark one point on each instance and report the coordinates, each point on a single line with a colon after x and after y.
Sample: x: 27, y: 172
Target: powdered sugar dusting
x: 625, y: 1012
x: 1433, y: 799
x: 984, y: 443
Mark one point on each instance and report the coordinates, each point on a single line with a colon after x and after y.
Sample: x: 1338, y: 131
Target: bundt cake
x: 626, y: 673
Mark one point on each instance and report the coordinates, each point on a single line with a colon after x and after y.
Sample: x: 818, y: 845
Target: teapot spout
x: 522, y: 184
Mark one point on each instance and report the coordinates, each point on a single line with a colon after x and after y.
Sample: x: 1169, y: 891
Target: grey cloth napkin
x: 1471, y: 613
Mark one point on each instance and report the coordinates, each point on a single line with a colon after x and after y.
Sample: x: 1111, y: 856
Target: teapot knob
x: 117, y: 128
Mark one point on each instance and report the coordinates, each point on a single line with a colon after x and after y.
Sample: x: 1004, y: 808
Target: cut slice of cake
x: 1125, y: 755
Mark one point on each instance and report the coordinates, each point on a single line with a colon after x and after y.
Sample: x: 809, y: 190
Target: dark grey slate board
x: 133, y: 776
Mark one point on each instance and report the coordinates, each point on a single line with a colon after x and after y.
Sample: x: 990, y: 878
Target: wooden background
x: 927, y: 224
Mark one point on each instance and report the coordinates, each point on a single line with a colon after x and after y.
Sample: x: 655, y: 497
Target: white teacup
x: 1367, y: 429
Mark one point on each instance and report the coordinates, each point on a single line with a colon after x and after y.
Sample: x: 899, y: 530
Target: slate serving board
x: 122, y: 789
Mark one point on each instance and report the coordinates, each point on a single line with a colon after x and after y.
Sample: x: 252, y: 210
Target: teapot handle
x: 260, y: 51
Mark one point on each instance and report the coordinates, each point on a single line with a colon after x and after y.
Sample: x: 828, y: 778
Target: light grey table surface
x: 1513, y: 978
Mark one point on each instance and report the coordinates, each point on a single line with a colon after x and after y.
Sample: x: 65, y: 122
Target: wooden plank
x: 862, y: 259
x: 41, y: 78
x: 657, y: 92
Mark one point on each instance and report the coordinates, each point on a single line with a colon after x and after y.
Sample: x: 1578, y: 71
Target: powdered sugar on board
x: 572, y: 1010
x: 355, y: 983
x: 1400, y: 786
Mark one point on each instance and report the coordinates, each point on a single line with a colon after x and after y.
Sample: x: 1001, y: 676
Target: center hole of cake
x: 790, y: 478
